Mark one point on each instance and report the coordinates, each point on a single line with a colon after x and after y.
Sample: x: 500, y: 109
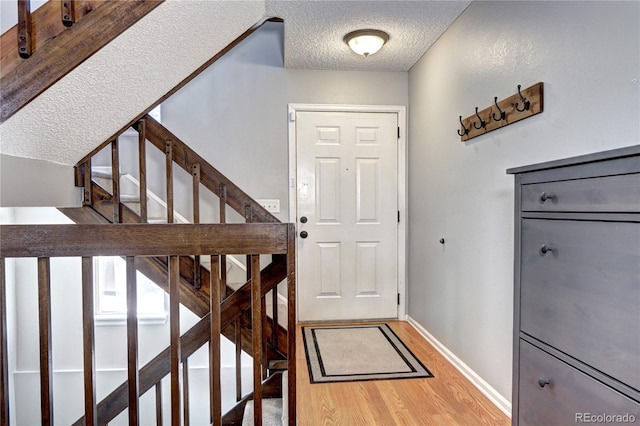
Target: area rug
x: 358, y: 352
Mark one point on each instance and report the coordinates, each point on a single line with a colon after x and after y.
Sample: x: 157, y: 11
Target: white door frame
x: 402, y: 179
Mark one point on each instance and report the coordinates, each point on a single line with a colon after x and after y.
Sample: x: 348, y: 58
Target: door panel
x: 347, y: 188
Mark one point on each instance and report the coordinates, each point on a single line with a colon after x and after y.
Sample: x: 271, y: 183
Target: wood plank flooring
x: 446, y: 399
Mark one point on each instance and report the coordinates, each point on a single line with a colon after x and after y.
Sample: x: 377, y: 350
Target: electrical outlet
x: 272, y: 206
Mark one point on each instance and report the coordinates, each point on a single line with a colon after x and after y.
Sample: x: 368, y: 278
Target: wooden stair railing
x: 43, y: 47
x: 210, y: 178
x: 132, y: 242
x: 195, y: 280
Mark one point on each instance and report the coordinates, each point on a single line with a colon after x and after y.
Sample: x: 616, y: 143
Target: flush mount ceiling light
x: 366, y: 42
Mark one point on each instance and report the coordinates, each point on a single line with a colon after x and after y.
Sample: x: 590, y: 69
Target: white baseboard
x: 500, y: 401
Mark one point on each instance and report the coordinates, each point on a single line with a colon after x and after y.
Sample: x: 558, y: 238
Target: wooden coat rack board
x: 516, y: 107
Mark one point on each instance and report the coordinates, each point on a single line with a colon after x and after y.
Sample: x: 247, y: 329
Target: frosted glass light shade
x: 366, y: 42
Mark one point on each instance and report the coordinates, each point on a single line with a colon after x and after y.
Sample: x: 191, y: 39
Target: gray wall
x: 31, y: 183
x: 234, y: 114
x: 587, y: 54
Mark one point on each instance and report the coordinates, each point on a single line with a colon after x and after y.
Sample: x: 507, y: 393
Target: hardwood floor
x: 446, y: 399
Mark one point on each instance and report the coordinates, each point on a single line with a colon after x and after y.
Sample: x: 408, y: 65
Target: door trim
x: 402, y: 178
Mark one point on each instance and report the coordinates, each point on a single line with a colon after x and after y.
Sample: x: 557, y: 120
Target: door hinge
x: 398, y: 216
x: 398, y: 132
x: 398, y: 299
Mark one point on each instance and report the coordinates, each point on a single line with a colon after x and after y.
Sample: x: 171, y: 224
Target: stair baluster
x: 174, y: 327
x: 196, y: 219
x: 87, y: 190
x: 238, y: 343
x: 185, y: 392
x: 215, y: 366
x: 256, y: 325
x: 169, y: 175
x: 133, y: 377
x: 25, y: 45
x: 159, y: 403
x: 142, y: 169
x: 68, y: 12
x: 88, y: 346
x: 115, y: 180
x: 223, y: 259
x: 44, y: 321
x: 4, y: 357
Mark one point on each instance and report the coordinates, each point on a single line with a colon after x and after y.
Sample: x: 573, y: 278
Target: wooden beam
x: 55, y: 59
x: 141, y: 240
x: 47, y: 26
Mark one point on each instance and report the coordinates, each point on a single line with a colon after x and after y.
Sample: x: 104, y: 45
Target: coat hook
x: 526, y: 103
x: 502, y: 113
x: 465, y: 132
x: 482, y: 122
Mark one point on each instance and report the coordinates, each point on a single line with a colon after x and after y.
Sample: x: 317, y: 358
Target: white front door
x: 347, y: 215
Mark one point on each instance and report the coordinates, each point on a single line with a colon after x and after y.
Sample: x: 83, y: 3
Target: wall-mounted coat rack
x: 516, y: 107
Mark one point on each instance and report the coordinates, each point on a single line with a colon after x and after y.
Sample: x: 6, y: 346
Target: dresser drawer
x: 583, y: 295
x: 602, y: 194
x: 569, y: 398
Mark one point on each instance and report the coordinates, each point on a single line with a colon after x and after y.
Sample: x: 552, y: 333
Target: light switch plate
x: 272, y: 206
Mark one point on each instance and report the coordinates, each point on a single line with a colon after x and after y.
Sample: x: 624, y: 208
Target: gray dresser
x: 576, y: 353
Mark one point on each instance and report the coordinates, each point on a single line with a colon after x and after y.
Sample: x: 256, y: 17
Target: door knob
x: 303, y: 219
x: 543, y: 382
x: 545, y: 249
x: 304, y: 234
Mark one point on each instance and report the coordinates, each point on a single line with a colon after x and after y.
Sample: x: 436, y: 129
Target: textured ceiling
x: 314, y: 31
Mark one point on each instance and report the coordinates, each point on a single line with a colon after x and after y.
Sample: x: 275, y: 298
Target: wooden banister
x: 58, y: 49
x: 249, y: 333
x: 231, y: 309
x: 51, y: 242
x: 142, y: 240
x: 210, y: 177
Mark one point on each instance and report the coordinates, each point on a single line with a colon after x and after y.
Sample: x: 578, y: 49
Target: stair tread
x: 271, y: 412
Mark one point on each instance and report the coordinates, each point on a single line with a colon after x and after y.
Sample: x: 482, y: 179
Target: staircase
x: 102, y: 206
x: 186, y: 260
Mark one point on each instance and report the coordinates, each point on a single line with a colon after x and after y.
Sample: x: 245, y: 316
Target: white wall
x: 234, y: 114
x: 587, y: 55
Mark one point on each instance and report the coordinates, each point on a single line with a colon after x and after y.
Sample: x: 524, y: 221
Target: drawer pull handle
x: 543, y: 382
x: 547, y: 196
x: 545, y: 249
